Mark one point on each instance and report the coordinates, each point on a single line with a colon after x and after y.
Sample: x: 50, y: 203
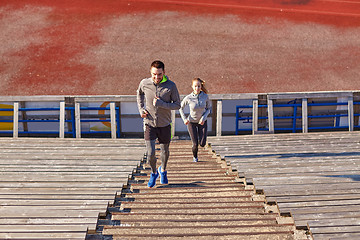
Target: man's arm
x: 184, y: 102
x: 140, y: 98
x: 174, y: 103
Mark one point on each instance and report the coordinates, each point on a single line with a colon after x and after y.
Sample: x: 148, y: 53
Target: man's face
x: 157, y: 74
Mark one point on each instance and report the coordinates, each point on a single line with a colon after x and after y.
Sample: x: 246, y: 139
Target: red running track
x: 50, y: 54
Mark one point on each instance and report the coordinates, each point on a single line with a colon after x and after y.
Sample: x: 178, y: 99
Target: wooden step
x: 203, y: 199
x: 198, y: 230
x: 228, y: 236
x: 223, y: 210
x: 196, y: 186
x: 203, y: 222
x: 125, y: 216
x: 198, y: 193
x: 198, y: 205
x: 188, y: 199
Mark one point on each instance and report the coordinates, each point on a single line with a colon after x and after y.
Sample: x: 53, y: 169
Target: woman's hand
x: 201, y: 122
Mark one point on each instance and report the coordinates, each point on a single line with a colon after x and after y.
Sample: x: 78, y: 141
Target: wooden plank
x: 50, y: 196
x: 106, y: 98
x: 337, y: 236
x: 313, y: 197
x: 59, y: 192
x: 75, y: 162
x: 46, y: 235
x: 334, y: 222
x: 41, y: 228
x: 238, y: 96
x: 54, y: 220
x: 336, y: 229
x: 314, y: 216
x: 44, y: 212
x: 309, y: 180
x: 315, y: 176
x: 63, y: 178
x: 35, y: 98
x: 76, y: 184
x: 324, y: 94
x: 60, y: 183
x: 322, y: 203
x: 63, y: 203
x: 61, y: 168
x: 322, y: 209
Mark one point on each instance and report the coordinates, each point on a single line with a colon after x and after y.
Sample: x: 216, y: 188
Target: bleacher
x: 53, y: 188
x: 314, y: 176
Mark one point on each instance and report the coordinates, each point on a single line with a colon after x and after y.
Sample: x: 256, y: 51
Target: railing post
x: 118, y: 120
x: 77, y: 120
x: 113, y: 120
x: 271, y: 116
x: 304, y: 113
x: 16, y: 120
x: 255, y: 115
x: 62, y: 120
x: 219, y: 118
x: 351, y: 113
x: 237, y: 121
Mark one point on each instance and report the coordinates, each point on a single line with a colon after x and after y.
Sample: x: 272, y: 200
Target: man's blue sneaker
x: 163, y: 176
x: 152, y: 180
x: 195, y: 159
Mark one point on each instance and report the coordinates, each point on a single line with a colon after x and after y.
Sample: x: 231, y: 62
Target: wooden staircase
x: 203, y: 200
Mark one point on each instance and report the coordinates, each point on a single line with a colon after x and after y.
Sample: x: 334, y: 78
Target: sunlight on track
x: 282, y: 6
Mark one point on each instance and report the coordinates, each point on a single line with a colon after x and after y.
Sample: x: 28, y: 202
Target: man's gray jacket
x: 169, y: 99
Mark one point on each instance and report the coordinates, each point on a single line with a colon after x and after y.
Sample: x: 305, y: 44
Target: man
x: 156, y: 97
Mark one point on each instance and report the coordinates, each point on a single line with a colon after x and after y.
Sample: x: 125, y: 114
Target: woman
x: 200, y: 107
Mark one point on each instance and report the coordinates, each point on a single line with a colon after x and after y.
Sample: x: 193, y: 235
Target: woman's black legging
x: 198, y: 134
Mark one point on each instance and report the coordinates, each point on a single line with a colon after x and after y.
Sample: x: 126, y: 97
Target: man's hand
x: 144, y: 114
x: 155, y: 100
x: 201, y: 122
x: 186, y: 122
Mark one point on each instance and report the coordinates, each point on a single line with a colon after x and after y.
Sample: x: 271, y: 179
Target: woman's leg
x: 193, y: 132
x: 202, y: 134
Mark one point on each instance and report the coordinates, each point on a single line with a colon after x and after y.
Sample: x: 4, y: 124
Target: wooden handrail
x: 216, y: 98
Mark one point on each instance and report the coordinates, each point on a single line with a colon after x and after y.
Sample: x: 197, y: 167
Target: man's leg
x: 164, y: 136
x: 150, y: 148
x: 164, y: 154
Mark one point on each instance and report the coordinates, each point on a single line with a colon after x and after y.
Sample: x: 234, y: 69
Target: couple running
x: 156, y: 97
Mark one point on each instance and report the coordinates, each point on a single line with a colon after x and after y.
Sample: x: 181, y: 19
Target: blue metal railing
x: 293, y: 117
x: 117, y: 117
x: 71, y: 120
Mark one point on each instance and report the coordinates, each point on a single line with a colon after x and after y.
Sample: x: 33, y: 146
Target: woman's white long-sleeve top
x: 200, y: 107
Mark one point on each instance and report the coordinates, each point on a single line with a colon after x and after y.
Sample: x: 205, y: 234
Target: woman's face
x: 196, y: 86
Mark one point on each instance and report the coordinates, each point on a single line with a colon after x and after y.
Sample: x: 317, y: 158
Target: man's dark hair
x: 158, y: 64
